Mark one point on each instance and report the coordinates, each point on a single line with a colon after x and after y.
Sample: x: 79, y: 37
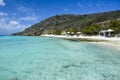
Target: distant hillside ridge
x: 66, y: 21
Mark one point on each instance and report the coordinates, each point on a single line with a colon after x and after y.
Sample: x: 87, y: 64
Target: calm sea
x: 42, y: 58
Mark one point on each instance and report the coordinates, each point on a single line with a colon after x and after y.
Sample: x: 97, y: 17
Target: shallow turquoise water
x: 41, y: 58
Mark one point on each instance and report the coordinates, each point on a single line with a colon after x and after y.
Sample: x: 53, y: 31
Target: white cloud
x: 11, y: 25
x: 80, y: 5
x: 22, y: 8
x: 2, y: 3
x: 25, y: 9
x: 14, y: 24
x: 66, y: 9
x: 28, y: 11
x: 14, y: 14
x: 29, y: 18
x: 3, y: 14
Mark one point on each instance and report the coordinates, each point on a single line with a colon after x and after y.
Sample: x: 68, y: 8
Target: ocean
x: 43, y: 58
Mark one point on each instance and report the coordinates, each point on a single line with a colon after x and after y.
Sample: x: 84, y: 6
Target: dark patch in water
x: 15, y: 79
x: 30, y: 62
x: 72, y: 65
x: 14, y: 72
x: 28, y: 71
x: 73, y: 40
x: 84, y: 40
x: 107, y: 76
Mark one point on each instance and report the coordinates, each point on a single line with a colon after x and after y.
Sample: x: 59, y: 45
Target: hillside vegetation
x: 89, y: 24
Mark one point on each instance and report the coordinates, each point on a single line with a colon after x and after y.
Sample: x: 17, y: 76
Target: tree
x: 57, y: 32
x: 75, y: 30
x: 91, y: 30
x: 115, y: 25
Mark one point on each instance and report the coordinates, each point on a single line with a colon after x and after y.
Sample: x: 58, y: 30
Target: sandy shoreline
x: 114, y: 39
x: 110, y: 42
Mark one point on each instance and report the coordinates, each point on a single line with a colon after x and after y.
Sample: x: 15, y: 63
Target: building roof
x: 110, y: 30
x: 104, y: 31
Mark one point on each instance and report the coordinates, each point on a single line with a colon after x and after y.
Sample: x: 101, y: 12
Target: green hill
x: 67, y: 21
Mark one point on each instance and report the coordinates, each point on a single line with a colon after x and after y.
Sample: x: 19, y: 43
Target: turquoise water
x: 41, y: 58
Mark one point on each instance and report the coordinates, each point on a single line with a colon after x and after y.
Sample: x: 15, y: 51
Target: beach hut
x: 106, y: 33
x: 103, y: 32
x: 109, y: 32
x: 68, y: 33
x: 78, y: 34
x: 72, y: 33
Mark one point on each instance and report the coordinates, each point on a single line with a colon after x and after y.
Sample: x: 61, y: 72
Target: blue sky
x: 16, y: 15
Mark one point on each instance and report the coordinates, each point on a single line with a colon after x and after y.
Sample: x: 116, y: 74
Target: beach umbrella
x: 68, y: 32
x: 78, y: 32
x: 63, y: 33
x: 72, y: 32
x: 109, y: 30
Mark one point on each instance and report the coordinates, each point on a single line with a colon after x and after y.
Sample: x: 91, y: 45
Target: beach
x: 114, y: 39
x: 113, y: 42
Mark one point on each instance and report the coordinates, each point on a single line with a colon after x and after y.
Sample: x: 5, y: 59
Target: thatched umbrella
x: 68, y: 33
x: 109, y: 31
x: 72, y: 33
x: 78, y: 33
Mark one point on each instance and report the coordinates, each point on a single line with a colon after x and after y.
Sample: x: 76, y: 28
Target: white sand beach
x: 111, y: 39
x: 113, y: 42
